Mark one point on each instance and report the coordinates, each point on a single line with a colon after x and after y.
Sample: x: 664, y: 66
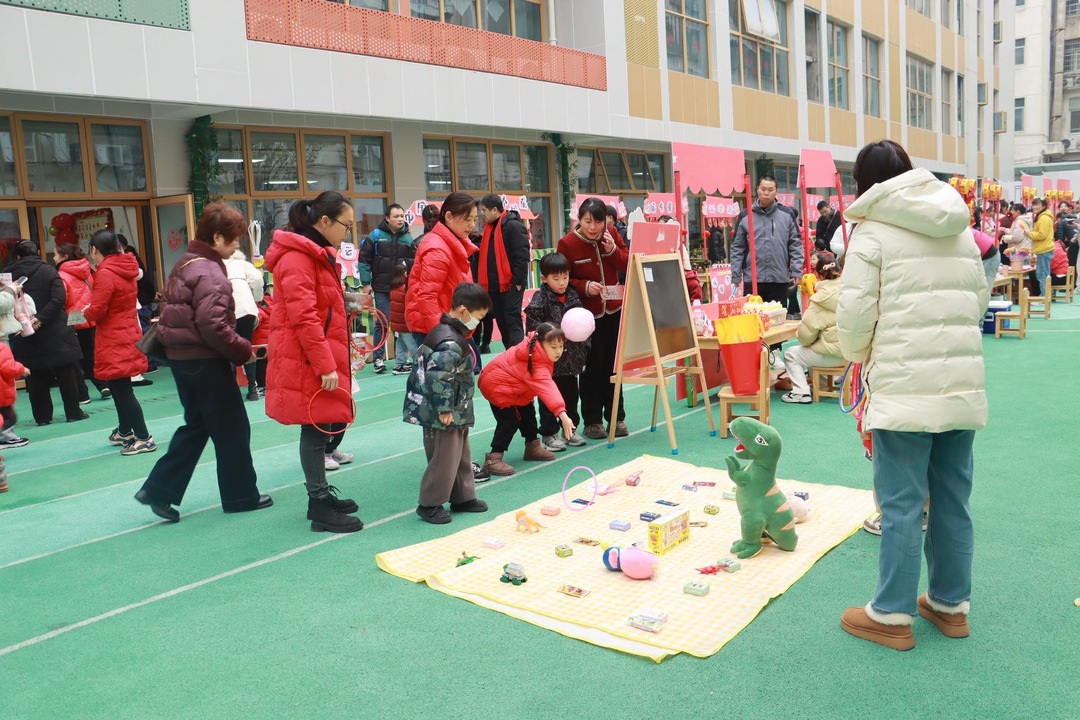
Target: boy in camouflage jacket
x: 555, y: 296
x: 439, y: 398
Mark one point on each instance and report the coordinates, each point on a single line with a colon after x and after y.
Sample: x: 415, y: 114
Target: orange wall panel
x: 843, y: 127
x: 922, y: 143
x: 875, y: 129
x: 817, y: 122
x: 873, y: 17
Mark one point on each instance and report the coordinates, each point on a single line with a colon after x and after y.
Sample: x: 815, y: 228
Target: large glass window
x: 520, y: 18
x: 472, y: 166
x: 813, y: 56
x: 872, y: 76
x: 368, y: 164
x: 325, y: 163
x: 54, y: 157
x: 1021, y: 46
x: 838, y: 66
x: 627, y: 173
x: 920, y: 93
x: 1072, y: 56
x: 506, y: 168
x: 759, y: 45
x: 438, y: 170
x: 946, y: 102
x: 1018, y: 114
x: 920, y: 6
x: 8, y: 182
x: 230, y: 158
x: 119, y: 164
x: 686, y: 23
x: 273, y: 162
x: 1072, y: 8
x: 946, y: 13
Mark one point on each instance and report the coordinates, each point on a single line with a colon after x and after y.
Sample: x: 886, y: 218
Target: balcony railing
x: 343, y: 28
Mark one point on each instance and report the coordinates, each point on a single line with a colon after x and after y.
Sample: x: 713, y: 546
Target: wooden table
x: 1003, y: 281
x: 710, y: 352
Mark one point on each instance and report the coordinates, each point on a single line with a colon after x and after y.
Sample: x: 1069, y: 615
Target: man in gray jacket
x: 777, y: 243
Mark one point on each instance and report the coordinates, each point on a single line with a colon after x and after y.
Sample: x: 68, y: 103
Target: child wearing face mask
x: 439, y: 397
x: 510, y: 382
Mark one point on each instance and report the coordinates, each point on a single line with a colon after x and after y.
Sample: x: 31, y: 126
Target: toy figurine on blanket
x: 765, y: 510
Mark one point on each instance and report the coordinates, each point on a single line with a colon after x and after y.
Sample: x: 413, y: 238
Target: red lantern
x: 63, y: 221
x: 67, y: 236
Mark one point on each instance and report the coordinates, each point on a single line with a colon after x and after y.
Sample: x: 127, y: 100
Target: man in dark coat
x: 53, y: 349
x: 503, y: 266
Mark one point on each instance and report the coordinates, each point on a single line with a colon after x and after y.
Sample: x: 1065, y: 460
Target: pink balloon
x: 634, y: 562
x: 578, y: 324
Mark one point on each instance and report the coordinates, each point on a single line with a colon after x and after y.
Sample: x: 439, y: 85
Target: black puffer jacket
x: 546, y: 306
x: 198, y: 316
x: 54, y: 344
x: 381, y: 251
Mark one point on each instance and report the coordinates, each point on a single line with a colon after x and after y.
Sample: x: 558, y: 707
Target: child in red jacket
x: 405, y: 346
x: 510, y: 382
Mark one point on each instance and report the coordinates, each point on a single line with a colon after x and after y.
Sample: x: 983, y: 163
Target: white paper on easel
x: 648, y: 274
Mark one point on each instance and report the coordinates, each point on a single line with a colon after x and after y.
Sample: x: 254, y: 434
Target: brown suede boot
x: 953, y: 625
x: 493, y: 463
x: 535, y: 450
x: 856, y: 621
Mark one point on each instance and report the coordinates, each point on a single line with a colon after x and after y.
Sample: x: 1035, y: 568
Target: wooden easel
x: 656, y: 331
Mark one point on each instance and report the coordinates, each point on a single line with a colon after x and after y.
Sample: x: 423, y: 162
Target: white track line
x: 266, y: 561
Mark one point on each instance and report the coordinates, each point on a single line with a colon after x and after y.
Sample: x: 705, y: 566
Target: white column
x: 551, y: 21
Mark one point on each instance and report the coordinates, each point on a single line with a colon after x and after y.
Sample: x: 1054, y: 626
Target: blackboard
x: 656, y: 296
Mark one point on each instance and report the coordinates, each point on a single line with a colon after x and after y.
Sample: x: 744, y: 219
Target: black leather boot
x: 325, y: 516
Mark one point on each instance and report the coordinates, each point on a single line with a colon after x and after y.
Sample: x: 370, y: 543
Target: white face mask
x: 471, y: 323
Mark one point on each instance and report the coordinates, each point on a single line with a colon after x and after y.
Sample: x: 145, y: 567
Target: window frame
x: 1019, y: 105
x: 869, y: 80
x: 391, y: 5
x: 478, y: 9
x: 685, y: 20
x: 947, y: 77
x: 834, y: 70
x: 599, y: 170
x: 1072, y: 8
x: 741, y: 36
x: 924, y: 98
x: 1020, y: 51
x: 1071, y: 61
x: 923, y: 7
x: 1074, y: 116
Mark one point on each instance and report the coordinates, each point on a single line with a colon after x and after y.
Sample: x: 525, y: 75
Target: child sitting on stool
x: 548, y: 305
x: 439, y: 397
x: 819, y: 343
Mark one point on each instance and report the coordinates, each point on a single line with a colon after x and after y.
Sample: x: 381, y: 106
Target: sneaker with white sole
x: 342, y: 458
x: 576, y: 440
x: 401, y: 370
x: 9, y: 439
x: 796, y: 398
x: 137, y: 447
x: 553, y: 443
x: 119, y: 438
x: 479, y: 473
x: 872, y: 524
x: 380, y: 367
x: 330, y: 463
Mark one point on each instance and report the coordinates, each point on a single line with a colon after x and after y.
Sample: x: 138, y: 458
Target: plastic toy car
x: 644, y: 623
x: 513, y: 573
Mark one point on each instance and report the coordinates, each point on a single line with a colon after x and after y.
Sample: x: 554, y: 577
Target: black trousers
x: 597, y: 390
x: 508, y: 421
x: 245, y: 326
x: 506, y: 309
x: 568, y: 388
x: 213, y: 410
x: 769, y: 292
x: 86, y: 365
x: 129, y: 412
x: 37, y: 387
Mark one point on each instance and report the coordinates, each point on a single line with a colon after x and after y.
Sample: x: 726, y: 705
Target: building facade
x: 103, y: 108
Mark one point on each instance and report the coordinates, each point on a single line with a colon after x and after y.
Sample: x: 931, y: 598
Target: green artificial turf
x: 107, y: 613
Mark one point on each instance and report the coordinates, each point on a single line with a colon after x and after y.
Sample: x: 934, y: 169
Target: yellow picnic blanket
x: 696, y: 625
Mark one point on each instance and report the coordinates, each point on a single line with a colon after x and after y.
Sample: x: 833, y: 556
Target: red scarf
x: 502, y: 262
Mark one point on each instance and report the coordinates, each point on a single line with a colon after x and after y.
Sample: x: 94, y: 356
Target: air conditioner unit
x: 1054, y: 148
x: 997, y: 31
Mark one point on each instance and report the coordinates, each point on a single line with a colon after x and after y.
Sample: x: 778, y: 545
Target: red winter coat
x: 261, y: 334
x: 79, y: 283
x: 505, y: 380
x: 587, y: 262
x: 442, y: 263
x: 10, y: 371
x: 112, y: 307
x: 308, y: 334
x: 397, y: 310
x: 1059, y: 263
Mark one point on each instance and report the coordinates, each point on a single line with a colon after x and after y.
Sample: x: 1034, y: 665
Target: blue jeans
x: 381, y: 327
x: 404, y: 348
x: 909, y: 466
x: 1042, y: 269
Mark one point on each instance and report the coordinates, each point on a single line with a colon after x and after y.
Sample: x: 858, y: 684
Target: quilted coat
x: 817, y: 329
x: 198, y: 319
x: 546, y: 306
x: 588, y: 262
x: 10, y: 371
x: 308, y: 334
x: 506, y: 382
x: 442, y: 263
x: 397, y: 309
x: 78, y: 283
x: 442, y: 380
x: 54, y: 345
x: 912, y: 296
x: 112, y: 307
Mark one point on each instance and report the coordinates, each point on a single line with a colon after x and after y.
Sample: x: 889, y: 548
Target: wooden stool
x: 1042, y: 302
x: 821, y: 382
x: 1019, y: 329
x: 1066, y: 290
x: 758, y: 402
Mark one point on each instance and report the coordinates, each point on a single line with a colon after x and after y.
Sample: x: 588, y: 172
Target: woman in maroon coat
x: 116, y: 359
x: 308, y: 379
x: 198, y: 328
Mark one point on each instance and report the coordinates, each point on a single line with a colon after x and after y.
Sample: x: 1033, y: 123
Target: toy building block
x: 649, y: 516
x: 728, y: 565
x: 691, y: 488
x: 574, y: 591
x: 634, y: 480
x: 564, y: 550
x: 728, y: 495
x: 668, y: 531
x: 621, y: 525
x: 494, y: 543
x: 644, y: 623
x: 712, y: 509
x: 701, y: 483
x: 550, y: 510
x: 696, y: 588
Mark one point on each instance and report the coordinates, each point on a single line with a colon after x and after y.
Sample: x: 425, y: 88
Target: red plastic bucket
x: 742, y: 361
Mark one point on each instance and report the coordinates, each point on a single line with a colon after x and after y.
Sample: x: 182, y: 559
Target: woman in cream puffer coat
x: 911, y: 300
x: 818, y: 345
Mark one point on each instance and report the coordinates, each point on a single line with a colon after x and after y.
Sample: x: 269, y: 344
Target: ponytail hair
x: 71, y: 251
x: 545, y: 332
x: 303, y: 214
x: 106, y: 242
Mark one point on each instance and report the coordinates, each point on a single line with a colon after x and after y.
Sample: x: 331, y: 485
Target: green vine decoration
x: 566, y: 161
x: 202, y: 145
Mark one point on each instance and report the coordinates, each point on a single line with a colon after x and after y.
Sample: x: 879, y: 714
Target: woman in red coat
x: 78, y: 279
x: 597, y: 255
x: 308, y: 379
x: 116, y: 359
x: 510, y: 382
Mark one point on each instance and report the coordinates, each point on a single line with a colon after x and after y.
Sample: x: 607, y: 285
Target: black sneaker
x: 435, y: 515
x: 474, y: 505
x: 380, y: 367
x: 479, y: 473
x: 401, y: 370
x: 13, y: 441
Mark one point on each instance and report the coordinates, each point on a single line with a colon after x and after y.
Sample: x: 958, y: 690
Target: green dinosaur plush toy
x: 765, y: 510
